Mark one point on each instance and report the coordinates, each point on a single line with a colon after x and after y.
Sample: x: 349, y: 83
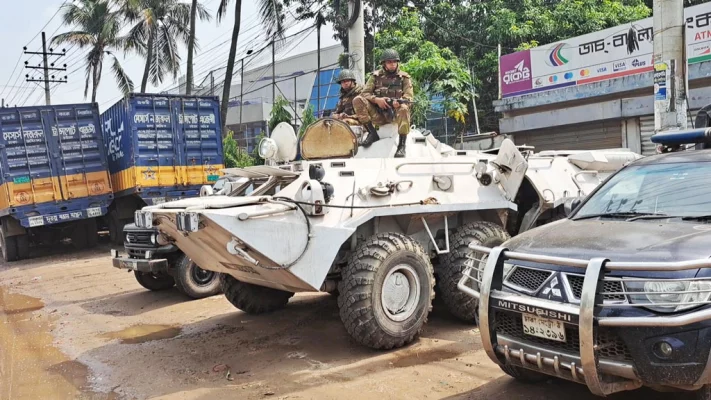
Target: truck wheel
x: 9, y: 247
x: 523, y: 374
x: 115, y: 228
x: 79, y: 237
x: 194, y: 281
x: 253, y: 299
x: 23, y: 246
x: 154, y: 282
x: 386, y: 291
x: 453, y: 264
x: 92, y: 232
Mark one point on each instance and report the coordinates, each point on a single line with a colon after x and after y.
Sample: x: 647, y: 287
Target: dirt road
x: 71, y: 326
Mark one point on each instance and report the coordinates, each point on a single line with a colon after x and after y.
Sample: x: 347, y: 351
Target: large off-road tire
x: 115, y: 228
x: 9, y: 247
x: 453, y: 264
x: 154, y: 282
x: 386, y: 291
x: 194, y: 281
x: 253, y: 299
x: 523, y: 374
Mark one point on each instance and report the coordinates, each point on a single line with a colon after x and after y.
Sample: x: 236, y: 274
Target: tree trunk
x: 149, y: 58
x: 97, y: 77
x: 191, y: 48
x: 230, y: 67
x: 94, y: 73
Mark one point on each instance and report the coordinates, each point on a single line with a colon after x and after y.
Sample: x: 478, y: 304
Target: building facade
x: 596, y: 92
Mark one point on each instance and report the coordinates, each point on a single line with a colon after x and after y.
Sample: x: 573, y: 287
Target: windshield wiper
x: 629, y: 214
x: 697, y: 218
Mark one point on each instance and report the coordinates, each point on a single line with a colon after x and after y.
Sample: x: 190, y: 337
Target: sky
x: 22, y: 21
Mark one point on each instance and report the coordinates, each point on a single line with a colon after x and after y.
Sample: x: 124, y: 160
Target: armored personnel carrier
x: 375, y: 230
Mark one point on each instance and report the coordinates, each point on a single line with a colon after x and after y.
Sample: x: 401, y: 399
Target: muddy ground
x: 71, y: 326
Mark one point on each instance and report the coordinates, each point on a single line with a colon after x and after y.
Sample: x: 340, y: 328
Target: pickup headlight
x: 669, y: 296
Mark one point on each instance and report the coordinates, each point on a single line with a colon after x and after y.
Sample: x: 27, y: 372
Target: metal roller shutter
x: 646, y: 130
x: 588, y: 136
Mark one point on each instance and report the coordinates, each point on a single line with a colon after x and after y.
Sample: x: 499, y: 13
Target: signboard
x: 598, y: 56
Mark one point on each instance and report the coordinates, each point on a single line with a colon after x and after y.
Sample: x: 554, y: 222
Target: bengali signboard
x: 598, y: 56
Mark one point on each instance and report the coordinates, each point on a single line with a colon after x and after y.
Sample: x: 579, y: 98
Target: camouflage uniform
x: 396, y: 85
x: 345, y: 105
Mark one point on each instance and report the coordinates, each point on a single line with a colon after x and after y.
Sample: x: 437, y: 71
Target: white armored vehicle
x: 373, y: 229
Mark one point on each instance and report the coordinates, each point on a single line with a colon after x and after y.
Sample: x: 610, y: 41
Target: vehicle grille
x: 139, y: 238
x: 576, y: 286
x: 529, y: 279
x: 610, y: 346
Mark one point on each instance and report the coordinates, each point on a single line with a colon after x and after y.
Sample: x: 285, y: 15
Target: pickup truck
x: 618, y: 294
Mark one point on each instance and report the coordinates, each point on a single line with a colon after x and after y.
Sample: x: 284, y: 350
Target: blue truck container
x: 160, y: 148
x: 54, y: 176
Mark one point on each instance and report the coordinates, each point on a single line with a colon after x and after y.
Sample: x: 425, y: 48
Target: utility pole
x: 46, y: 67
x: 670, y: 104
x: 319, y: 21
x: 273, y: 73
x: 241, y: 87
x: 476, y: 114
x: 212, y: 83
x: 356, y: 40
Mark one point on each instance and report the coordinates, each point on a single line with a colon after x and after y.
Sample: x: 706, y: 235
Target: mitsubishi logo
x: 552, y: 290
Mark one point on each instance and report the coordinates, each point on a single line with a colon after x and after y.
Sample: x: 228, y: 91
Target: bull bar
x: 586, y: 367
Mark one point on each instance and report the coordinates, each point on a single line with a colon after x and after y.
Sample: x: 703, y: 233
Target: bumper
x: 136, y: 264
x: 584, y: 356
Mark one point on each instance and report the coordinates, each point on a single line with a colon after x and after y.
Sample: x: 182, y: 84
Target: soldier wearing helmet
x: 388, y: 82
x: 349, y: 90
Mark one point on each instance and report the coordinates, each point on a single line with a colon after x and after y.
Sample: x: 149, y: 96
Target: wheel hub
x: 202, y: 277
x: 400, y: 293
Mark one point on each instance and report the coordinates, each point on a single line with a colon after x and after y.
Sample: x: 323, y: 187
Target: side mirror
x: 571, y: 204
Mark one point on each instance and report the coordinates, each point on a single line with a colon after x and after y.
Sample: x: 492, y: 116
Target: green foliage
x: 307, y: 118
x: 279, y: 113
x: 435, y: 71
x: 234, y: 156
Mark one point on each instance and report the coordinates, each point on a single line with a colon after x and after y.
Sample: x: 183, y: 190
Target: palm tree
x: 159, y: 24
x: 191, y: 49
x: 98, y: 28
x: 272, y: 18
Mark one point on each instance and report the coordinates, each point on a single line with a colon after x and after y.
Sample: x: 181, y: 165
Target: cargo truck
x: 159, y: 148
x: 54, y: 179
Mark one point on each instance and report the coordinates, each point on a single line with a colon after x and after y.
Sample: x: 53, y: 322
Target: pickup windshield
x: 674, y: 189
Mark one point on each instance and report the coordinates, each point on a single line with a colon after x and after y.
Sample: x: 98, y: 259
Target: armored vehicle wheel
x: 452, y: 265
x: 153, y: 281
x: 194, y: 281
x: 386, y: 291
x: 523, y: 374
x: 253, y: 299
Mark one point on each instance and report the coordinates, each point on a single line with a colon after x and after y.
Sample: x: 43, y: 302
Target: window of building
x: 328, y: 89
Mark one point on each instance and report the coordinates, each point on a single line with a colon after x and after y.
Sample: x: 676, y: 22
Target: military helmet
x: 389, y: 55
x: 346, y: 75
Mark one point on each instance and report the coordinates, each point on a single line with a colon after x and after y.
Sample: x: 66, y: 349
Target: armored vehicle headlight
x: 669, y: 296
x: 268, y: 148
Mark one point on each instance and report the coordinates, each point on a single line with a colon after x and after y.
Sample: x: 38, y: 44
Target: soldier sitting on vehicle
x: 349, y: 90
x: 380, y: 98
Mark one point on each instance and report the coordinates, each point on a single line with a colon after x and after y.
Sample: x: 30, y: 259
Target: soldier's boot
x: 371, y: 137
x: 400, y: 152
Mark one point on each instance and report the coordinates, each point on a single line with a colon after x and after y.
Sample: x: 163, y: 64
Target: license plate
x: 213, y: 178
x: 93, y: 212
x: 543, y: 328
x: 158, y: 200
x: 36, y: 221
x: 128, y: 265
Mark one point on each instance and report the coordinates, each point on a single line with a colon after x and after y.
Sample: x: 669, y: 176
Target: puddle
x: 30, y: 366
x: 143, y: 333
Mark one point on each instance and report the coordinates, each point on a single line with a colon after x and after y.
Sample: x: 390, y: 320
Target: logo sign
x: 96, y: 186
x: 619, y: 66
x: 22, y: 197
x: 516, y: 73
x: 552, y: 290
x: 533, y: 310
x: 601, y: 70
x: 557, y: 57
x: 637, y: 63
